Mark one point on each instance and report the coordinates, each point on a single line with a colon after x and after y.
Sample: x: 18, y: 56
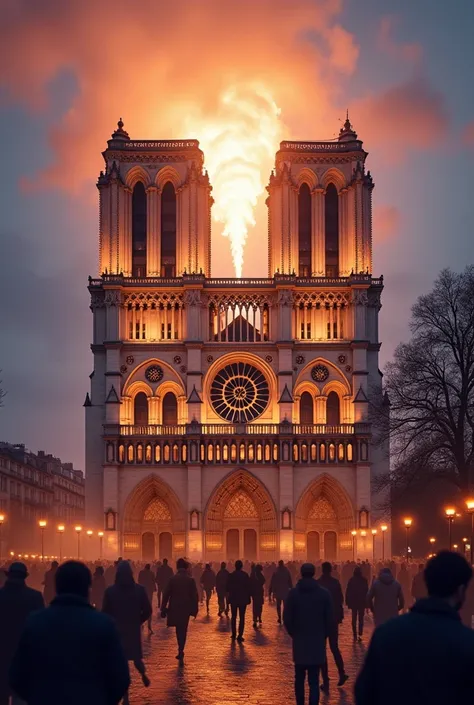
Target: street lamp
x: 78, y: 530
x: 383, y: 529
x: 101, y: 536
x: 374, y: 534
x: 408, y: 523
x: 470, y: 509
x: 450, y: 513
x: 42, y: 525
x: 2, y: 520
x: 353, y: 534
x: 61, y: 529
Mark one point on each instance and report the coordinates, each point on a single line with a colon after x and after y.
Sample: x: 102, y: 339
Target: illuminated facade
x: 230, y: 417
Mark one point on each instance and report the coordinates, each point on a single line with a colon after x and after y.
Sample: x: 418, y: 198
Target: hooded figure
x: 385, y: 598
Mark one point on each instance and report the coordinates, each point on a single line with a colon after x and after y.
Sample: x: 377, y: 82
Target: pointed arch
x: 330, y: 489
x: 135, y: 174
x: 337, y: 379
x: 168, y: 173
x: 140, y: 498
x: 333, y: 176
x: 137, y: 375
x: 307, y: 176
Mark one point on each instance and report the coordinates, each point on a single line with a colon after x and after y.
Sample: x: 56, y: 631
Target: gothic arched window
x: 168, y: 231
x: 332, y: 409
x: 139, y: 230
x: 140, y: 407
x: 170, y: 409
x: 306, y: 408
x: 304, y: 231
x: 331, y: 217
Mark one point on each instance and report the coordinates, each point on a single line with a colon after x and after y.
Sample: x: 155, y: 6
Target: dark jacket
x: 17, y: 602
x: 356, y: 592
x: 97, y: 590
x: 333, y: 586
x: 69, y: 654
x: 180, y: 599
x: 385, y: 598
x: 309, y: 620
x: 129, y: 607
x: 257, y: 583
x: 147, y: 579
x: 421, y: 658
x: 49, y: 592
x: 163, y: 576
x: 281, y: 583
x: 208, y: 580
x: 238, y: 588
x: 222, y: 578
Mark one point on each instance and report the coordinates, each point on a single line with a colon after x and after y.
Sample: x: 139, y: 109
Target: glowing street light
x: 408, y: 521
x: 374, y: 534
x: 470, y: 509
x: 2, y: 521
x: 78, y: 530
x: 61, y: 529
x: 42, y: 525
x: 383, y: 529
x: 450, y: 513
x: 432, y: 540
x: 100, y: 534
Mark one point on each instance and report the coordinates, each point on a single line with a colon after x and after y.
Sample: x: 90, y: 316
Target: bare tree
x: 430, y: 385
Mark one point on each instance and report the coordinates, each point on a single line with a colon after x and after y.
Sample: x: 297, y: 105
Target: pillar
x: 195, y: 536
x: 286, y: 501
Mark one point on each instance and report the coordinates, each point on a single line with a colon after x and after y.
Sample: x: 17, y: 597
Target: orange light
x: 374, y: 531
x: 450, y: 512
x: 408, y: 522
x: 42, y: 523
x: 470, y: 505
x: 61, y: 528
x: 2, y: 518
x: 432, y: 539
x: 78, y: 529
x: 363, y: 533
x: 354, y: 532
x: 100, y: 533
x: 384, y: 527
x: 89, y: 532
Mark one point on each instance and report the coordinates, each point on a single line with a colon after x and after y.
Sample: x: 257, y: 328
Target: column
x: 153, y: 240
x: 194, y: 536
x: 286, y: 501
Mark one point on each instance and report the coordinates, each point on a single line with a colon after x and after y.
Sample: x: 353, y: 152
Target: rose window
x: 239, y: 393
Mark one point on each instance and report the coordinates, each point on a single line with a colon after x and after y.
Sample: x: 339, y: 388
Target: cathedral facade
x: 230, y: 417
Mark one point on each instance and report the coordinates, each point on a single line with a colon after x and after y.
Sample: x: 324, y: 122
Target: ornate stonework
x: 241, y: 506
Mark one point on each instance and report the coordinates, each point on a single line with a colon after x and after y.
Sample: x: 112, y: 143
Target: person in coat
x: 70, y: 654
x: 127, y: 603
x: 280, y: 586
x: 147, y: 580
x: 418, y: 586
x: 239, y: 594
x: 98, y: 587
x: 424, y: 657
x: 17, y: 602
x: 208, y: 583
x: 221, y: 588
x: 257, y: 590
x: 309, y: 620
x: 49, y: 591
x: 164, y: 573
x: 333, y: 586
x: 385, y: 597
x: 356, y: 600
x: 180, y: 602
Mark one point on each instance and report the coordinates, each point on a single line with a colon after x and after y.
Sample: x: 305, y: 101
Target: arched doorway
x: 165, y: 545
x: 313, y: 550
x: 148, y: 546
x: 232, y: 544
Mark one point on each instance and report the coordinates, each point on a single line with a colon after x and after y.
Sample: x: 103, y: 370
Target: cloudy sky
x: 68, y: 70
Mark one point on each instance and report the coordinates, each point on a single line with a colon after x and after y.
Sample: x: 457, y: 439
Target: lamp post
x: 89, y: 533
x: 2, y: 520
x: 383, y: 529
x: 408, y: 523
x: 42, y: 525
x: 61, y: 529
x: 78, y: 530
x: 450, y: 513
x: 470, y: 509
x: 101, y: 536
x: 374, y: 534
x: 432, y: 541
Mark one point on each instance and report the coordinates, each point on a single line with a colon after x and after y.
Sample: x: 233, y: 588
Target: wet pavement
x: 218, y: 672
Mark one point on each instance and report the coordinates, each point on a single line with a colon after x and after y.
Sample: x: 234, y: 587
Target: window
x: 168, y: 231
x: 170, y: 410
x: 306, y: 408
x: 331, y: 217
x: 332, y: 409
x: 139, y: 226
x: 304, y: 231
x: 140, y: 406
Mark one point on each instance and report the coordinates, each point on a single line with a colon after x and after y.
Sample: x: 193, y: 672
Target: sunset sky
x: 70, y: 68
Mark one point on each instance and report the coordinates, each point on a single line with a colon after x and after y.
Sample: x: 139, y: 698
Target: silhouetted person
x: 147, y: 580
x: 110, y: 573
x: 49, y: 583
x: 309, y: 620
x: 356, y: 600
x: 17, y: 602
x: 333, y: 586
x: 180, y: 602
x: 127, y: 603
x: 221, y: 588
x: 404, y: 579
x: 164, y: 574
x: 385, y: 598
x: 424, y: 657
x: 208, y: 582
x: 257, y: 586
x: 238, y: 590
x: 280, y: 586
x: 98, y: 587
x: 418, y: 586
x: 70, y: 654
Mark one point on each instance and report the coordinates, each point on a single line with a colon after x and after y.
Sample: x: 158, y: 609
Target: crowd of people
x: 109, y: 604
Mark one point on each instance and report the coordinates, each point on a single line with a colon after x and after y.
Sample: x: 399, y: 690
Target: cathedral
x: 231, y: 417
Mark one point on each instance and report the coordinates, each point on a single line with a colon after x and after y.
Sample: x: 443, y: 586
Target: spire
x: 120, y: 133
x: 347, y: 132
x: 88, y: 400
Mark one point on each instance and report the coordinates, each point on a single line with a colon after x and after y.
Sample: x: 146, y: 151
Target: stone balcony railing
x: 221, y: 444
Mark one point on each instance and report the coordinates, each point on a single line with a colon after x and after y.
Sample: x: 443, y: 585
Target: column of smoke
x: 239, y: 147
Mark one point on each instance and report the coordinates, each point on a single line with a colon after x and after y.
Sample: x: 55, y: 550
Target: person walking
x: 147, y: 580
x: 238, y: 590
x: 257, y: 587
x: 309, y: 620
x: 127, y: 603
x: 180, y: 602
x: 164, y: 574
x: 418, y: 586
x: 280, y: 586
x: 385, y: 598
x: 17, y: 602
x: 49, y: 591
x: 69, y: 653
x: 208, y: 583
x: 221, y: 588
x: 333, y: 586
x: 98, y: 587
x: 404, y: 579
x: 424, y: 657
x: 356, y: 600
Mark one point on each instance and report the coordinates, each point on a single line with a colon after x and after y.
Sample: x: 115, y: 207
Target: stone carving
x: 359, y: 297
x: 157, y: 511
x: 113, y: 298
x: 322, y: 509
x: 320, y: 373
x: 285, y: 297
x: 192, y: 297
x: 241, y: 506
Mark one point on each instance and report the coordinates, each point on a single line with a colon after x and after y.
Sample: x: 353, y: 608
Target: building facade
x: 230, y: 417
